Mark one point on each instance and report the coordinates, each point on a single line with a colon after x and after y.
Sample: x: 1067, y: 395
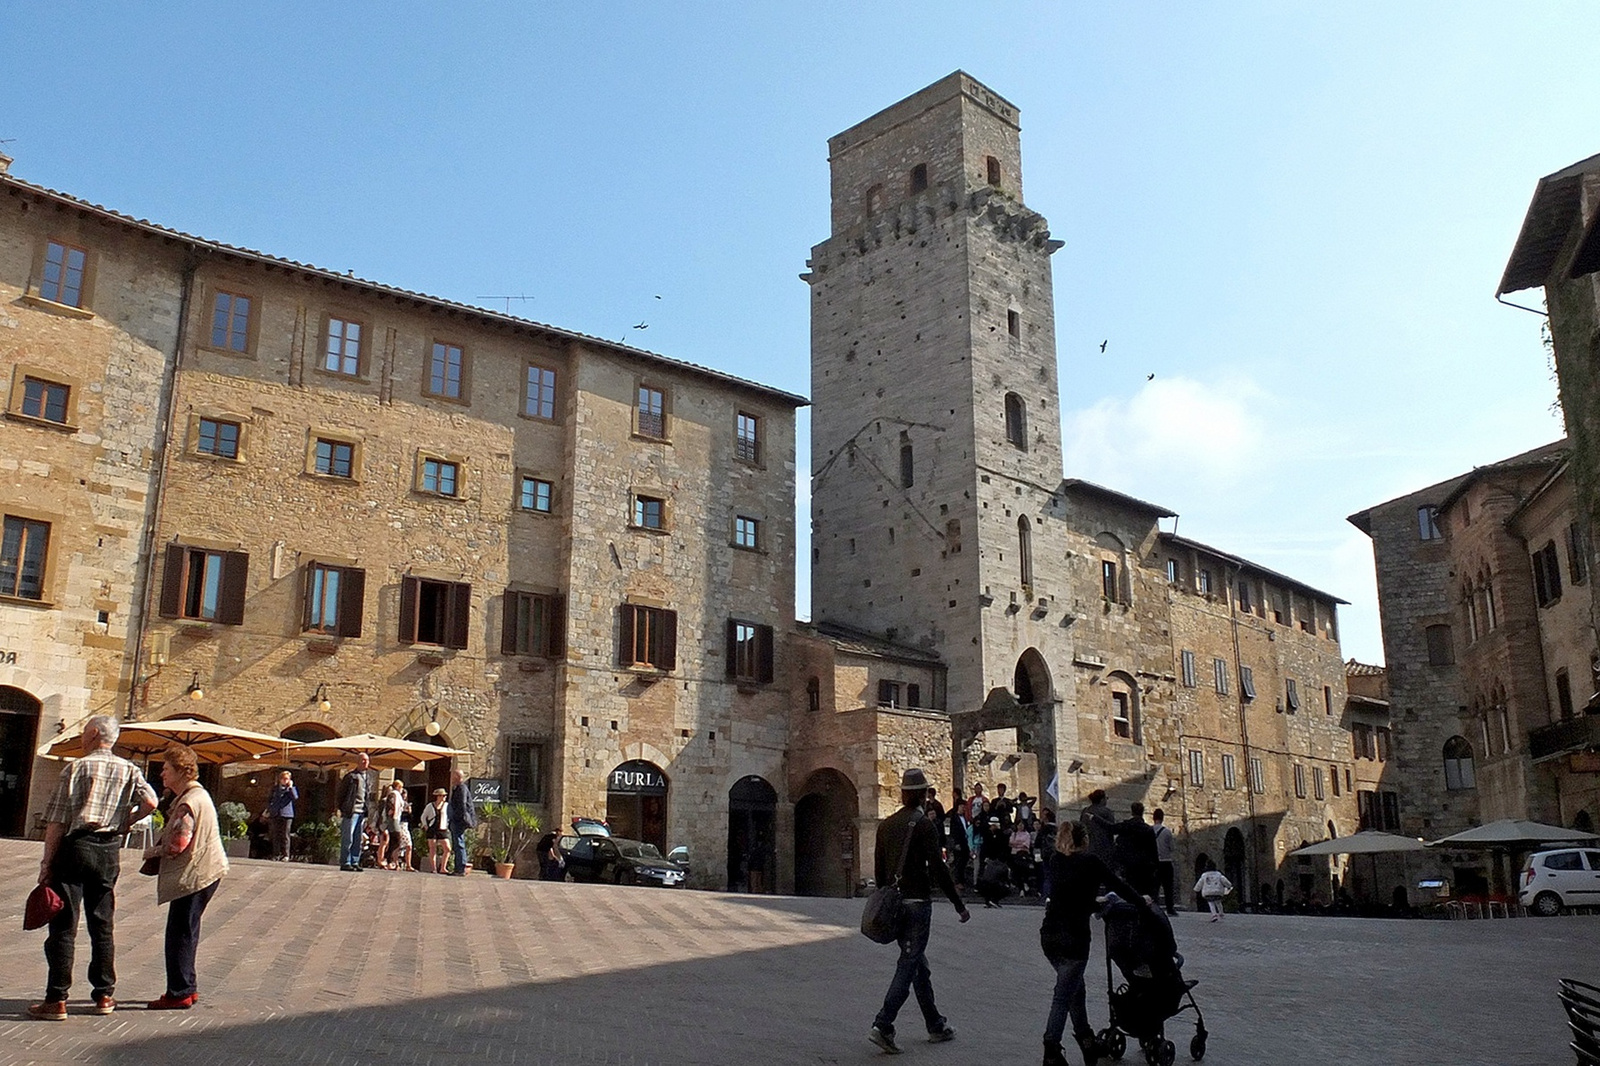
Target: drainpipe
x: 137, y: 681
x: 1244, y: 736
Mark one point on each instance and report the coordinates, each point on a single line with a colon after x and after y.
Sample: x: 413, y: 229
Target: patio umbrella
x: 211, y: 741
x: 386, y: 753
x: 1366, y: 842
x: 1513, y: 834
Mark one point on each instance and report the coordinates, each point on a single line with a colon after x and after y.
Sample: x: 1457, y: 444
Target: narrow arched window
x: 1016, y: 421
x: 1025, y: 551
x: 908, y: 468
x: 919, y: 178
x: 1458, y: 769
x: 993, y: 166
x: 874, y: 200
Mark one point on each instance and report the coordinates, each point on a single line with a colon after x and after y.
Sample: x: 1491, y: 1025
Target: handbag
x: 880, y: 918
x: 43, y: 904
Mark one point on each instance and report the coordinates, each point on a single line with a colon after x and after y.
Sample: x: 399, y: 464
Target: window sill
x: 749, y: 548
x: 43, y: 423
x: 430, y: 495
x: 458, y: 401
x: 650, y: 438
x: 212, y: 457
x: 753, y: 464
x: 195, y: 627
x: 533, y: 512
x: 28, y: 601
x: 359, y: 378
x: 64, y: 310
x: 323, y: 643
x: 551, y: 421
x: 655, y: 531
x: 234, y: 352
x: 332, y: 479
x: 649, y: 675
x: 435, y: 655
x: 748, y: 687
x: 532, y: 666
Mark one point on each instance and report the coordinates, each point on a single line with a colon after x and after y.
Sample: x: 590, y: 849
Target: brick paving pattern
x: 303, y: 964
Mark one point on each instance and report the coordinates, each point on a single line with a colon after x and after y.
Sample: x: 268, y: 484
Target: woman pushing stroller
x: 1076, y: 876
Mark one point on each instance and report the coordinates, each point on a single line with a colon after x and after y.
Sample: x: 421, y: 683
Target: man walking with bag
x: 907, y: 851
x: 95, y: 801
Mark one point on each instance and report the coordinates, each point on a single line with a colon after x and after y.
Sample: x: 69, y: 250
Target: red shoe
x: 170, y: 1002
x: 51, y: 1010
x: 103, y: 1005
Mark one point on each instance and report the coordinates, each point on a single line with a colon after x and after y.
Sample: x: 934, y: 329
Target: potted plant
x: 233, y: 819
x: 508, y: 830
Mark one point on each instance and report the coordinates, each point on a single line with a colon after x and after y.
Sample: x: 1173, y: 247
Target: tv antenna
x: 507, y: 299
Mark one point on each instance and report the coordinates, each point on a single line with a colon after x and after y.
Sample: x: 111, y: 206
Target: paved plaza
x: 305, y: 964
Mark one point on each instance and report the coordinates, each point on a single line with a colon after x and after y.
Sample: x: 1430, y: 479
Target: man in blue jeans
x: 908, y: 850
x: 354, y: 792
x: 463, y: 816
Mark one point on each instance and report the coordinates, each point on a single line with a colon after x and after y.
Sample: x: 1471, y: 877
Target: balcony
x: 1559, y: 738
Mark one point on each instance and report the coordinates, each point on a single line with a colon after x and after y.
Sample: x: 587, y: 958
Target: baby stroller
x: 1139, y: 940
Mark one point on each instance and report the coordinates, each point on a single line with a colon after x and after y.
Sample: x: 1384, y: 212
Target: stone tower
x: 936, y: 443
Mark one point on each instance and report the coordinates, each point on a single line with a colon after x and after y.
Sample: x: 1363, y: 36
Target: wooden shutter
x: 459, y: 615
x: 764, y: 654
x: 625, y: 648
x: 172, y: 581
x: 556, y: 627
x: 669, y: 640
x: 308, y: 586
x: 410, y: 592
x: 508, y: 623
x: 733, y: 648
x: 235, y: 573
x: 352, y: 597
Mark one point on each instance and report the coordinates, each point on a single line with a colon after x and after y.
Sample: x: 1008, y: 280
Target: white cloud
x: 1210, y: 430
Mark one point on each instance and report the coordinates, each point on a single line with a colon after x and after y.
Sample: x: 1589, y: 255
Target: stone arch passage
x: 752, y: 834
x: 1233, y: 861
x: 1030, y: 682
x: 435, y: 773
x: 825, y: 836
x: 19, y: 738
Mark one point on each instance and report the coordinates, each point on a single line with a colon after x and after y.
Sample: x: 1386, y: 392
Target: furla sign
x: 639, y: 778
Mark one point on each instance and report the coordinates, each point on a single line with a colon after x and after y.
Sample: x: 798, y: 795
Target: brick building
x: 1075, y: 633
x: 374, y: 510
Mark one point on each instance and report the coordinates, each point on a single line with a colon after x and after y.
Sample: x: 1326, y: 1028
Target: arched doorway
x: 318, y: 786
x: 1233, y: 860
x: 636, y: 802
x: 825, y: 836
x: 1582, y: 821
x: 1030, y: 681
x: 19, y: 737
x: 752, y: 825
x: 435, y: 773
x: 1202, y: 863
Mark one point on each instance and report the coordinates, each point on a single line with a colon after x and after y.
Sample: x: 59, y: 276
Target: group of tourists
x: 1081, y: 861
x: 386, y: 835
x: 97, y: 799
x: 995, y: 845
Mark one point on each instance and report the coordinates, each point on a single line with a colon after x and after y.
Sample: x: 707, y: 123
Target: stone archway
x: 1030, y: 681
x: 752, y: 825
x: 825, y: 819
x: 434, y: 775
x: 319, y: 785
x: 1233, y: 860
x: 19, y: 738
x: 636, y: 802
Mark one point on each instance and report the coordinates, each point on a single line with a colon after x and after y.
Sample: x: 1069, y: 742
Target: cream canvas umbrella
x: 1514, y: 834
x: 1366, y: 842
x: 212, y: 742
x: 386, y: 753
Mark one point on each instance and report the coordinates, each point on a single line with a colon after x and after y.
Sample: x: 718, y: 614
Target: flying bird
x: 642, y: 325
x: 1149, y: 377
x: 1103, y: 346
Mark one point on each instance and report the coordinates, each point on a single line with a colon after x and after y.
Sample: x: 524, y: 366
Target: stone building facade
x: 373, y: 510
x: 1068, y: 622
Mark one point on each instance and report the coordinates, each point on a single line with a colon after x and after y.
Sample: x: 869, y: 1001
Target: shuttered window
x: 333, y: 600
x: 204, y: 584
x: 434, y: 612
x: 649, y: 637
x: 533, y: 624
x: 749, y: 651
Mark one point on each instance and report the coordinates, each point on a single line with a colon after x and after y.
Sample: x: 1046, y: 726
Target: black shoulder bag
x: 880, y: 918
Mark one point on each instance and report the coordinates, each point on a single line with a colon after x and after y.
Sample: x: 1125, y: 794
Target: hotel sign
x: 638, y: 778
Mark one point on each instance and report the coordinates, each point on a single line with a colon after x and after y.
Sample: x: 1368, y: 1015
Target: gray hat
x: 913, y: 779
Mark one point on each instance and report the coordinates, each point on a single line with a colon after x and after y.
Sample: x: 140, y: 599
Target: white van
x: 1565, y: 877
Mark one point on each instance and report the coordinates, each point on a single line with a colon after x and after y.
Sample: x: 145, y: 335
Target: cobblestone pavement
x: 302, y: 964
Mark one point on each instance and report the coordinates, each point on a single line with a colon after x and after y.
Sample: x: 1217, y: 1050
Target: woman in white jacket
x: 1211, y: 887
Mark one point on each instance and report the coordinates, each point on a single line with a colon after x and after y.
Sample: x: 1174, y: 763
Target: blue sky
x: 1293, y: 216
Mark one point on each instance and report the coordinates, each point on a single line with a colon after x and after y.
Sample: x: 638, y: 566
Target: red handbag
x: 43, y: 904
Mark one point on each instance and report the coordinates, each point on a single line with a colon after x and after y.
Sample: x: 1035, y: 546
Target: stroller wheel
x: 1166, y: 1053
x: 1197, y: 1047
x: 1113, y: 1043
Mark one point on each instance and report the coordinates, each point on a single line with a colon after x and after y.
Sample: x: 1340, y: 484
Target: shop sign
x: 638, y: 779
x: 8, y: 658
x: 484, y: 789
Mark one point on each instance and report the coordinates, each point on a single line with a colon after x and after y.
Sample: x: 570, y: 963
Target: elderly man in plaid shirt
x: 95, y: 801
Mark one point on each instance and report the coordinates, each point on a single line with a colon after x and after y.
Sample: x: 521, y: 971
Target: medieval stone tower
x: 936, y: 441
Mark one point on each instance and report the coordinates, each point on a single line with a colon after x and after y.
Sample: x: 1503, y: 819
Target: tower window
x: 907, y: 467
x: 919, y: 178
x: 1025, y: 551
x: 1014, y: 323
x: 874, y: 200
x: 1016, y: 421
x: 993, y: 166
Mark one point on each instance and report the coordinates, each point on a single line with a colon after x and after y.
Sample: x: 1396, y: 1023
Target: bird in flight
x: 642, y: 325
x: 1103, y: 346
x: 1149, y: 377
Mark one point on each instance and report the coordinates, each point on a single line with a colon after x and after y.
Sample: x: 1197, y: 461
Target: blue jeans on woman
x: 911, y: 970
x: 1068, y: 999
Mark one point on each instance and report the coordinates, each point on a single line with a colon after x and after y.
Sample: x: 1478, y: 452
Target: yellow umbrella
x: 211, y: 741
x: 386, y: 753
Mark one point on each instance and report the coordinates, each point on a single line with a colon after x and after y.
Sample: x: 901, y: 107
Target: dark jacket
x: 1136, y: 847
x: 1075, y: 881
x: 463, y: 812
x: 280, y: 804
x: 924, y: 866
x: 354, y: 791
x: 1100, y: 824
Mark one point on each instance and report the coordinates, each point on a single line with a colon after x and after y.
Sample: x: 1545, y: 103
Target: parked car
x: 1560, y: 878
x: 680, y: 855
x: 622, y: 862
x: 581, y: 827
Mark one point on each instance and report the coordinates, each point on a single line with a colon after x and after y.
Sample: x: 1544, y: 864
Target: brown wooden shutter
x: 307, y: 586
x: 557, y: 627
x: 625, y: 648
x: 352, y: 597
x: 172, y: 581
x: 733, y: 648
x: 235, y: 574
x: 669, y: 640
x: 460, y: 616
x: 508, y: 623
x: 410, y: 592
x: 764, y: 654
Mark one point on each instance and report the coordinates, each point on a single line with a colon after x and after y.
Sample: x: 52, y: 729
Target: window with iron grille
x: 45, y: 399
x: 218, y: 438
x: 23, y: 551
x: 230, y: 321
x: 747, y: 438
x: 652, y: 412
x: 525, y: 770
x: 64, y: 268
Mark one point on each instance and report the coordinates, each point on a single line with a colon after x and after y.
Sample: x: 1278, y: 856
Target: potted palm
x: 509, y: 828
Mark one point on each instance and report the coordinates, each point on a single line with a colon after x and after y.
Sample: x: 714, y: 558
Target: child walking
x: 1212, y: 887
